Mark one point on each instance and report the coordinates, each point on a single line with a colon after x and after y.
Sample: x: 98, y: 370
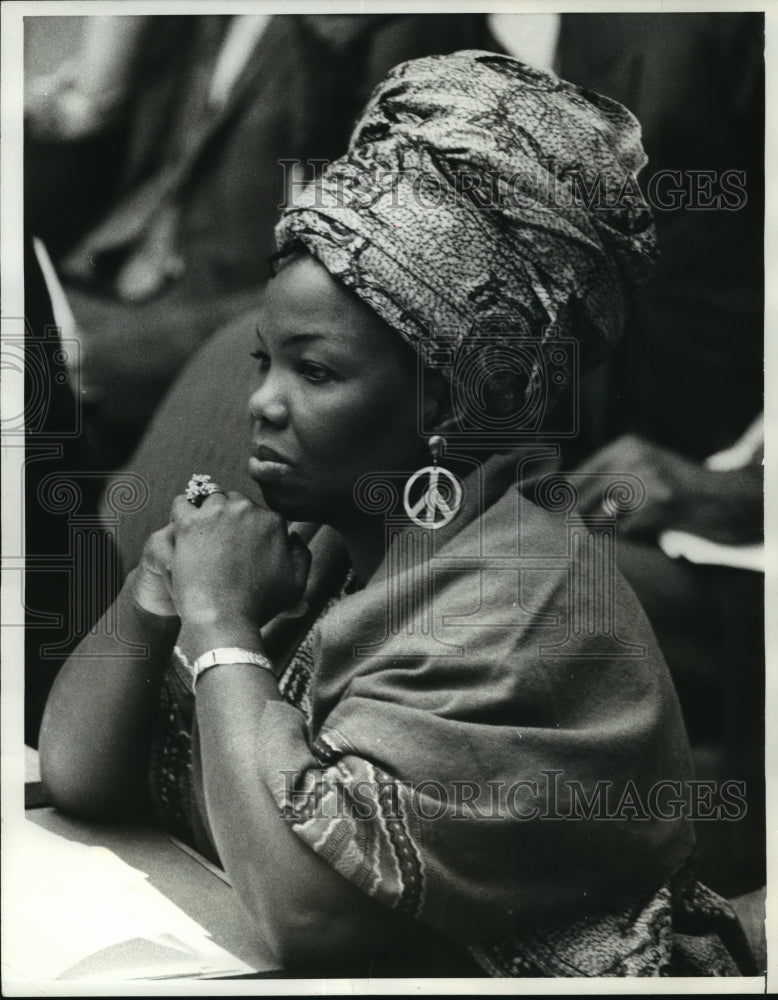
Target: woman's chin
x: 288, y: 503
x: 287, y: 496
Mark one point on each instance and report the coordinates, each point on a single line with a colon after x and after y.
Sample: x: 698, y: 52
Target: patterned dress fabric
x: 681, y: 929
x: 484, y: 202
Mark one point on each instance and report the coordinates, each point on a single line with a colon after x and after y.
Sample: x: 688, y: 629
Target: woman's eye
x: 314, y: 373
x: 262, y: 358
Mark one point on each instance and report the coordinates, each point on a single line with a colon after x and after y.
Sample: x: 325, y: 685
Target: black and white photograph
x: 385, y: 550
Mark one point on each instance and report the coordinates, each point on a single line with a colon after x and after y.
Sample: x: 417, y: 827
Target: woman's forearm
x: 233, y: 568
x: 96, y: 729
x: 306, y: 911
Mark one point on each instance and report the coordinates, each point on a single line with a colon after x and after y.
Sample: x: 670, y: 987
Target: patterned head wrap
x: 482, y: 203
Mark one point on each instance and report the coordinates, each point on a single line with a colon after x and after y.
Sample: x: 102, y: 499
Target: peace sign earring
x: 433, y: 495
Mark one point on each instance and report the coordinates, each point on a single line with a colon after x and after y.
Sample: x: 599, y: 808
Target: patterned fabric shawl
x: 447, y: 671
x: 441, y: 743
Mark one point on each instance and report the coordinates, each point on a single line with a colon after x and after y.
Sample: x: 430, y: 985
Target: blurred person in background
x: 153, y: 174
x: 679, y: 403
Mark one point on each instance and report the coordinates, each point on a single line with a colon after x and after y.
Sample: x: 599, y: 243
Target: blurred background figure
x: 154, y: 176
x: 679, y: 403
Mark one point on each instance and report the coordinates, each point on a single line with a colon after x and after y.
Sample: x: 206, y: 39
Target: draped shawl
x: 446, y: 732
x: 457, y: 665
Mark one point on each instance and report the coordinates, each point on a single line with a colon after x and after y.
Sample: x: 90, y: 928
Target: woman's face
x: 336, y: 397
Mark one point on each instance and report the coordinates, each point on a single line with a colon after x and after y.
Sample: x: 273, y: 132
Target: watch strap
x: 226, y: 655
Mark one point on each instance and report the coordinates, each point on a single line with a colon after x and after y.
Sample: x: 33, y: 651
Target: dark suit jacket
x: 688, y: 373
x: 216, y: 173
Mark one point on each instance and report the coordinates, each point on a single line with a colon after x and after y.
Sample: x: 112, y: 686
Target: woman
x: 390, y: 727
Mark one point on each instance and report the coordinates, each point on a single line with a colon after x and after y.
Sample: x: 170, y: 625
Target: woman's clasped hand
x: 227, y: 566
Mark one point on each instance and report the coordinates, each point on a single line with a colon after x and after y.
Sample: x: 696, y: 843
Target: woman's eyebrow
x: 294, y: 338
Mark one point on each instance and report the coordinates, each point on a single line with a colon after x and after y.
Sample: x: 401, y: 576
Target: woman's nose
x: 268, y: 404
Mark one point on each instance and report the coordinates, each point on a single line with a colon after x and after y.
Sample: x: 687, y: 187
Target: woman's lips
x: 268, y: 465
x: 264, y: 453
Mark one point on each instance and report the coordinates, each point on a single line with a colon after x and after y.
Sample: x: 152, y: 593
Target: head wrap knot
x: 482, y: 201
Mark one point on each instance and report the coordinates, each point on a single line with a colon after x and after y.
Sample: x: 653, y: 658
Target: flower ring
x: 199, y: 487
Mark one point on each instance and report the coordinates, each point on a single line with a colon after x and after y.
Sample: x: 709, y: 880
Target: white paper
x: 82, y: 914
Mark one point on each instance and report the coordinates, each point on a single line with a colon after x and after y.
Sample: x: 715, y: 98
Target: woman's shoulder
x: 513, y: 602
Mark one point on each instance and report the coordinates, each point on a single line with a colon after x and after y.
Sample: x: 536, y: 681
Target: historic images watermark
x: 549, y: 796
x: 546, y: 184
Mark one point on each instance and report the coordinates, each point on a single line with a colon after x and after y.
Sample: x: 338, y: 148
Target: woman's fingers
x: 151, y: 580
x: 158, y: 550
x: 233, y: 560
x: 183, y: 510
